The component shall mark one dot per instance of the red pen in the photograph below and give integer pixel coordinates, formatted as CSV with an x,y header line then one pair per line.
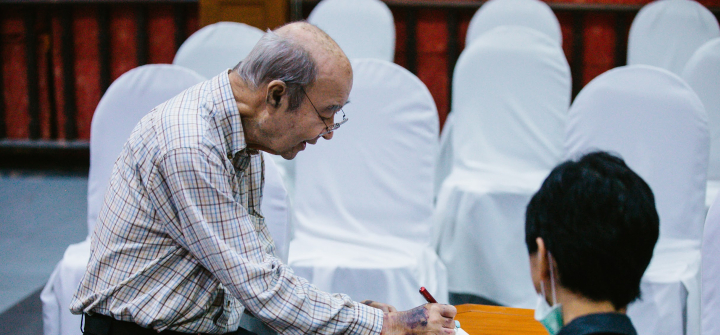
x,y
427,295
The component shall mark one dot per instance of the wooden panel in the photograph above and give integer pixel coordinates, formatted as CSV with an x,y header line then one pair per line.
x,y
491,320
263,14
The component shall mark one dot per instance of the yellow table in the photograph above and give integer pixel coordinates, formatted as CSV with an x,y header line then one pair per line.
x,y
482,320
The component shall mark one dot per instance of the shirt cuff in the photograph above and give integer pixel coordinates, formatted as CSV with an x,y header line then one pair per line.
x,y
368,320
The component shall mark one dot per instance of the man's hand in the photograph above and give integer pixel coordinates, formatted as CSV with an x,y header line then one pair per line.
x,y
433,319
379,305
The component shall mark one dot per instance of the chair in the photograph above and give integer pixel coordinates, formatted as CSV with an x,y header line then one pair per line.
x,y
666,33
710,308
122,106
217,47
654,120
701,73
533,14
511,93
364,198
275,207
362,28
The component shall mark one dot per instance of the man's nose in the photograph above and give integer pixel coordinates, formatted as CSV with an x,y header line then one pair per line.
x,y
328,135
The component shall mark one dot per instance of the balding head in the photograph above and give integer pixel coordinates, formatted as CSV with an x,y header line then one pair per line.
x,y
296,68
318,43
298,54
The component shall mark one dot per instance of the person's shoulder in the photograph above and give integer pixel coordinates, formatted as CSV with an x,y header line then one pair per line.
x,y
185,120
598,324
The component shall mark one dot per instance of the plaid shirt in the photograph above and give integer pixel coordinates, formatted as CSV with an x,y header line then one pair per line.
x,y
180,242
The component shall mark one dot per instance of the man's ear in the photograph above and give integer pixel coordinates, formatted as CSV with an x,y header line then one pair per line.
x,y
276,90
543,263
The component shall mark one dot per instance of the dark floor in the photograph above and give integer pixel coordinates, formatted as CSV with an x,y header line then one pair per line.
x,y
41,213
23,318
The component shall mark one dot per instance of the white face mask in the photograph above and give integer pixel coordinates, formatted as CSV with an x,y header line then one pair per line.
x,y
550,317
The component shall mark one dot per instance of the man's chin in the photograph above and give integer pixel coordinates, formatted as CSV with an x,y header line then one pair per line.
x,y
289,155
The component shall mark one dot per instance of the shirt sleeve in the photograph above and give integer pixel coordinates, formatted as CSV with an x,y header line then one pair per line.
x,y
195,197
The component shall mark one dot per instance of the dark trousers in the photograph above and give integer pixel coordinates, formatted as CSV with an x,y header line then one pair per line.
x,y
98,324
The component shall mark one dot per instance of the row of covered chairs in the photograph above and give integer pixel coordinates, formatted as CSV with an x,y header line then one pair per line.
x,y
513,125
485,195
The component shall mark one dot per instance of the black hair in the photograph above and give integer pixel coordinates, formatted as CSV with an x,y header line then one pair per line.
x,y
598,220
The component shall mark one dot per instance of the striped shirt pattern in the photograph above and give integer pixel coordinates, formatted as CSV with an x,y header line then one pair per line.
x,y
180,243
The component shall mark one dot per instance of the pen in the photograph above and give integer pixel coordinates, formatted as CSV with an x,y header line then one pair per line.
x,y
427,295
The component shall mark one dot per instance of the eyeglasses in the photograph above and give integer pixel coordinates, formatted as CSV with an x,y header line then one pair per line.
x,y
328,128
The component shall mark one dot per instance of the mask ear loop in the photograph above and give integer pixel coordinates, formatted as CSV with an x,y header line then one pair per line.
x,y
552,278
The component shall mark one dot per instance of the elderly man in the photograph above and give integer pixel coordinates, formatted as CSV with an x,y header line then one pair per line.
x,y
181,246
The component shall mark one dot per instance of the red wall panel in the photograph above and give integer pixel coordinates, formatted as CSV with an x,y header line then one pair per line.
x,y
599,50
14,69
431,53
161,34
45,66
123,49
432,63
87,67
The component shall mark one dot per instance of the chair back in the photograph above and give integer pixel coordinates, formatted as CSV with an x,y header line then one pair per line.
x,y
702,73
666,33
375,177
533,14
122,106
657,124
710,296
362,28
217,47
511,93
275,208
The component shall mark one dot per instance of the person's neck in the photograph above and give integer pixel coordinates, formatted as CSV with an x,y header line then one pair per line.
x,y
247,99
575,306
248,102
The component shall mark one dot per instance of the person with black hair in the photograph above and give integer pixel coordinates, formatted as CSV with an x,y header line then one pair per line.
x,y
590,231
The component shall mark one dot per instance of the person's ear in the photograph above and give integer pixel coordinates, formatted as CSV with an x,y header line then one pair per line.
x,y
543,263
276,91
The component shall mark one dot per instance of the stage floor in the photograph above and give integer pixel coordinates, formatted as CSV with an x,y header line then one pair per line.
x,y
41,214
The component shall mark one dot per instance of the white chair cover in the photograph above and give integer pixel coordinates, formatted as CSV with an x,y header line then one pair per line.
x,y
217,47
126,101
702,73
445,157
275,207
710,308
666,33
362,28
511,93
533,14
122,106
654,120
364,199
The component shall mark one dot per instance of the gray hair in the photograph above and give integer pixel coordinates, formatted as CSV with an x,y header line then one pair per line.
x,y
278,58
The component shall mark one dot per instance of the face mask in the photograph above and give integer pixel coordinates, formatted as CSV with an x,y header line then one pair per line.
x,y
550,317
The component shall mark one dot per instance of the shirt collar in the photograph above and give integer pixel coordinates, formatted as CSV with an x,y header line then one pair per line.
x,y
228,117
601,323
